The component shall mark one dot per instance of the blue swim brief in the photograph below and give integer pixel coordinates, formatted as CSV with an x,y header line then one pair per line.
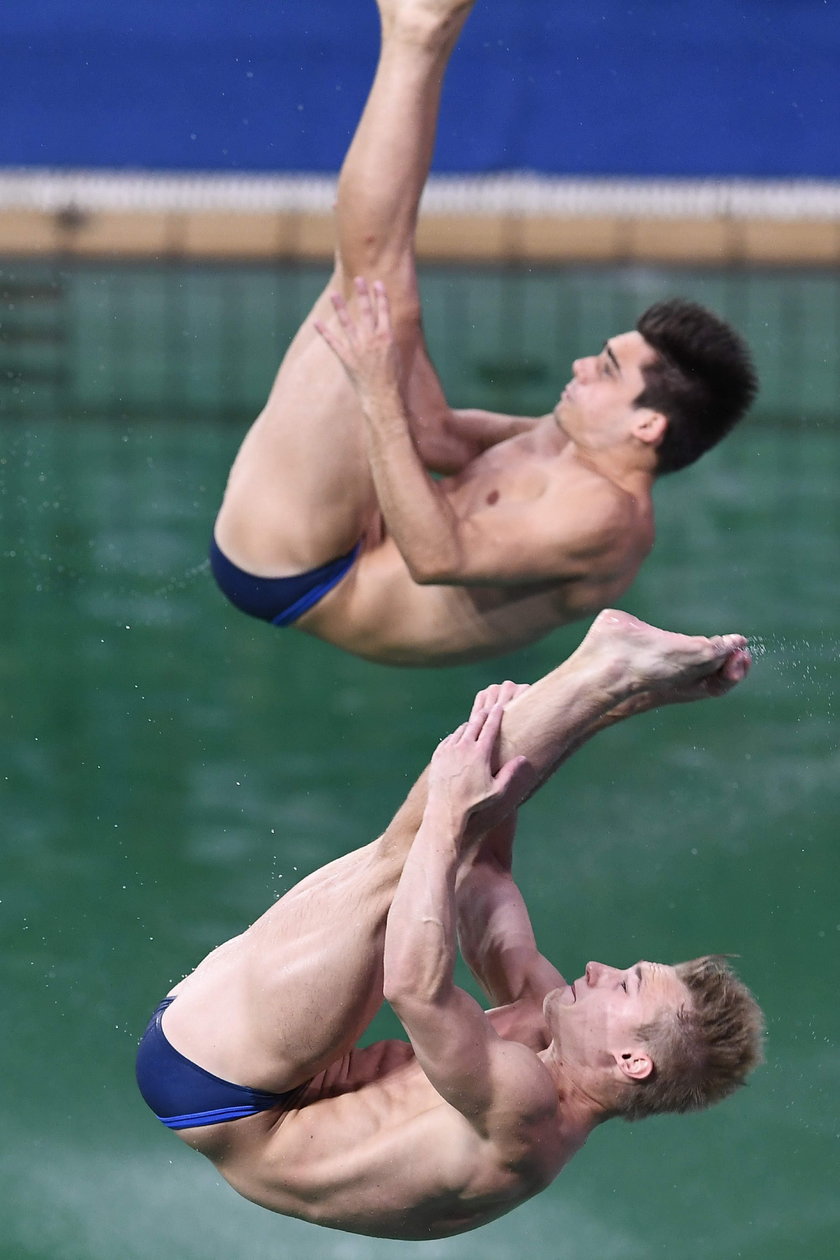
x,y
185,1096
278,600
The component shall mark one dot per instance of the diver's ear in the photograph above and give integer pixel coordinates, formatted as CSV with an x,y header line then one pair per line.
x,y
635,1063
649,426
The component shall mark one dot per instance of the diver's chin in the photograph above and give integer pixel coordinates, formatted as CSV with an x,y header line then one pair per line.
x,y
559,418
565,996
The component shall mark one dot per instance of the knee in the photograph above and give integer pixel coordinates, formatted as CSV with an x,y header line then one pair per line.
x,y
400,282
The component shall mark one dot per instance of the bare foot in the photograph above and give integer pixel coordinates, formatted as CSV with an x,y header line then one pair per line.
x,y
660,667
731,672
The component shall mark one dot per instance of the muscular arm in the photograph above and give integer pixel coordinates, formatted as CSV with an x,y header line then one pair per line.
x,y
463,1057
552,539
494,927
466,432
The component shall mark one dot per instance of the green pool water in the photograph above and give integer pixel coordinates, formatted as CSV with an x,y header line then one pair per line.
x,y
170,766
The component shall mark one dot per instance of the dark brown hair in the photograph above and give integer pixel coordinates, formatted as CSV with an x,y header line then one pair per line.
x,y
702,379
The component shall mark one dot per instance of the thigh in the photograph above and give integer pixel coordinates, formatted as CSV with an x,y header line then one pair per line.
x,y
299,492
295,991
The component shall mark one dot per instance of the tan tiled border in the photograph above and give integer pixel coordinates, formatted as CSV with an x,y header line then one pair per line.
x,y
480,238
513,218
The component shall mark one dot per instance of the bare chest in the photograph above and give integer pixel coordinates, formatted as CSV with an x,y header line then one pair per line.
x,y
386,1156
500,478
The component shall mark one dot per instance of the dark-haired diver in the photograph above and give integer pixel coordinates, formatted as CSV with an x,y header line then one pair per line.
x,y
331,519
253,1058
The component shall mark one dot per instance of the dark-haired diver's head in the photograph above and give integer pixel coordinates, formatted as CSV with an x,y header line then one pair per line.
x,y
667,391
701,378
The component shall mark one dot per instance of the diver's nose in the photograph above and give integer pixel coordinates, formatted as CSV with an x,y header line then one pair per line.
x,y
594,971
580,368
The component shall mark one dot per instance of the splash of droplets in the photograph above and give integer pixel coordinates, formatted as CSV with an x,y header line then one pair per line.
x,y
787,653
799,661
757,646
181,583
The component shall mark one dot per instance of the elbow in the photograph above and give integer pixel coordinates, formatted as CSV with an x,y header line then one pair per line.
x,y
393,996
410,1005
408,985
398,990
399,978
434,568
431,575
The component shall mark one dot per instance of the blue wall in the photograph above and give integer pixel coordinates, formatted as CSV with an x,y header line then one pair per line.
x,y
604,87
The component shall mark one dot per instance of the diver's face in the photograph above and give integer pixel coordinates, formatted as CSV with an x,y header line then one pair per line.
x,y
596,407
595,1021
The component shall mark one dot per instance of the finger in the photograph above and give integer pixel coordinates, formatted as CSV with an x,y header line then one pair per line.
x,y
383,306
486,698
515,780
474,725
490,727
510,690
480,702
366,307
342,312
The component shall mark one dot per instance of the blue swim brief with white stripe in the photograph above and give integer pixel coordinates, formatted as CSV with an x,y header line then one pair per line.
x,y
183,1095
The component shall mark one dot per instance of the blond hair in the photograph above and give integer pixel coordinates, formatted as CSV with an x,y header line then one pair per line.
x,y
703,1051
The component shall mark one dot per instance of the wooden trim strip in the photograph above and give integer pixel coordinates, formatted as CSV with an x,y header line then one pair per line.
x,y
499,238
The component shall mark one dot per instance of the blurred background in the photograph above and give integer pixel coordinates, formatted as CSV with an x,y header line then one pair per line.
x,y
169,766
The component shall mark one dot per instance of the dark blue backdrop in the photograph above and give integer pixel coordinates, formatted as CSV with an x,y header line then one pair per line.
x,y
655,87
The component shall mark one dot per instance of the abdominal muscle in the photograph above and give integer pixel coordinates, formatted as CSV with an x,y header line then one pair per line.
x,y
379,612
370,1147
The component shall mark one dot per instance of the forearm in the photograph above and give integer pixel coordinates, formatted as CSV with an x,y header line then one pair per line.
x,y
416,512
494,932
447,440
420,936
478,430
